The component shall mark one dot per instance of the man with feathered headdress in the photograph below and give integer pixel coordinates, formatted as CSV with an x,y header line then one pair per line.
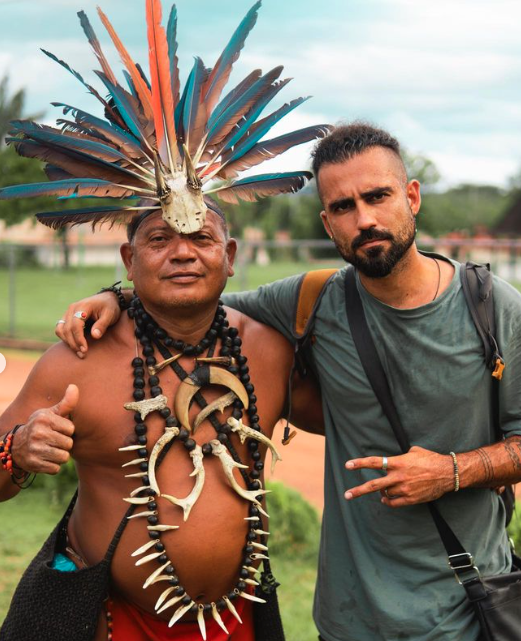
x,y
169,420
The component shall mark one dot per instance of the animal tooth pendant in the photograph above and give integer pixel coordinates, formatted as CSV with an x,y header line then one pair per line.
x,y
232,609
136,461
142,514
188,502
144,548
164,596
162,528
217,617
179,613
155,574
251,597
201,621
244,432
169,434
170,603
130,448
219,450
148,558
148,405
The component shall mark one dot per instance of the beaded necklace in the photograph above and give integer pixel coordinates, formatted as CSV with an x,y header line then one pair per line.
x,y
230,361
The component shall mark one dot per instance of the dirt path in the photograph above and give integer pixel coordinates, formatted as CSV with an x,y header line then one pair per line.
x,y
303,460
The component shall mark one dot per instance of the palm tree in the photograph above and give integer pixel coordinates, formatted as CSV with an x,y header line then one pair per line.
x,y
11,107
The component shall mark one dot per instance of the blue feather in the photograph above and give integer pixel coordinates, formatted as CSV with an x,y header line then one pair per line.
x,y
75,74
254,113
110,129
124,107
130,83
193,107
250,141
221,72
260,178
53,188
232,96
171,37
82,145
244,103
94,215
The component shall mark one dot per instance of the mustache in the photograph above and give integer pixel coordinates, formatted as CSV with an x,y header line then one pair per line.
x,y
367,235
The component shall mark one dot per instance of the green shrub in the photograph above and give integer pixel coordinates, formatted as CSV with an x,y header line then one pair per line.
x,y
514,529
294,523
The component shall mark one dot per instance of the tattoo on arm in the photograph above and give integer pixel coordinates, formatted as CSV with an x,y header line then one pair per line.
x,y
487,465
514,457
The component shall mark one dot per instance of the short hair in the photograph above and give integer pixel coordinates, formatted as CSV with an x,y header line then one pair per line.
x,y
132,227
346,141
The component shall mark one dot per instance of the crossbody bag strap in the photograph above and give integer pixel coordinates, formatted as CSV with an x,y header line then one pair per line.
x,y
459,560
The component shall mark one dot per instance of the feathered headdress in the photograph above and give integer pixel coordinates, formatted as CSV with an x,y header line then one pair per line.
x,y
159,146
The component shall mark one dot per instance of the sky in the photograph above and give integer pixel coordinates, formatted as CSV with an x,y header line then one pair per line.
x,y
443,76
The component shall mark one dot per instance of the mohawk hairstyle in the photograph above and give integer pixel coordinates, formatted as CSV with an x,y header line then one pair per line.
x,y
346,141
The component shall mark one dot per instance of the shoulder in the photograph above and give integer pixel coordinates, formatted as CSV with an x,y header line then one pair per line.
x,y
259,339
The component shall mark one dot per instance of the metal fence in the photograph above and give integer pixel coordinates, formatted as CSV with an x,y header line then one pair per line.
x,y
34,283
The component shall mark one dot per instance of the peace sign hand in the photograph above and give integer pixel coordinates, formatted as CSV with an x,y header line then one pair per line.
x,y
416,477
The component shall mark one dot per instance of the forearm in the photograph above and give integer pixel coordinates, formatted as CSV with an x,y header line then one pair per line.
x,y
491,466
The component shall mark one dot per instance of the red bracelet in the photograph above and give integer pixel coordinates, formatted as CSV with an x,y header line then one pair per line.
x,y
19,477
6,457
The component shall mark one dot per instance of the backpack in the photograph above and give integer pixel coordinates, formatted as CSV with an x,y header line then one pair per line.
x,y
476,281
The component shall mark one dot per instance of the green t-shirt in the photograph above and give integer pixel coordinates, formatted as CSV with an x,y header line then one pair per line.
x,y
383,573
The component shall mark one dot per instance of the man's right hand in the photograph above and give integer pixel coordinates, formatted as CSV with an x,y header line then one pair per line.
x,y
102,308
43,444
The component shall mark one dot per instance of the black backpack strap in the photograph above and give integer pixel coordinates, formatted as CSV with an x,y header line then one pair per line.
x,y
476,282
460,560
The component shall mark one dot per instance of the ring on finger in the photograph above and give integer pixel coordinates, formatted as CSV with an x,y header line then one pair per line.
x,y
60,322
385,464
390,496
81,315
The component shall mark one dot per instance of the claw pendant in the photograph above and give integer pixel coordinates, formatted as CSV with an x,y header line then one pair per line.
x,y
245,432
190,386
188,502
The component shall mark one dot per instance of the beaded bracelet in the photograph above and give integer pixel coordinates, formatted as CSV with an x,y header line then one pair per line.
x,y
456,471
123,305
19,477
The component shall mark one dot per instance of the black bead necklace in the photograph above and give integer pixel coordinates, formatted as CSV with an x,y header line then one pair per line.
x,y
151,336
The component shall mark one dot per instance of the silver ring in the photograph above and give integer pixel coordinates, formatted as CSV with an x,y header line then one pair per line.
x,y
60,322
390,496
81,315
385,463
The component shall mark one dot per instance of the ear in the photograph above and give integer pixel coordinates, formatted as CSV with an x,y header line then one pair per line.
x,y
414,196
127,254
325,222
231,250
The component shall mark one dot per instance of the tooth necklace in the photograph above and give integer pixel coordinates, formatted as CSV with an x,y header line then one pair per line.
x,y
228,369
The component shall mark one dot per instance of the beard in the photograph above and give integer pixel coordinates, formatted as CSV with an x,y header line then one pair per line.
x,y
378,262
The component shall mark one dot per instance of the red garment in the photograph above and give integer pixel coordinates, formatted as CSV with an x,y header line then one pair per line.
x,y
130,623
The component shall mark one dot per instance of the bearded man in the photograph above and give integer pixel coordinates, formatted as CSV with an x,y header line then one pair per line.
x,y
198,529
383,571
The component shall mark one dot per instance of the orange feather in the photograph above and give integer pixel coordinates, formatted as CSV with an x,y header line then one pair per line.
x,y
160,78
141,88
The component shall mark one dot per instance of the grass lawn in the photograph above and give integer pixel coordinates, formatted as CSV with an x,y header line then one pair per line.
x,y
28,519
42,295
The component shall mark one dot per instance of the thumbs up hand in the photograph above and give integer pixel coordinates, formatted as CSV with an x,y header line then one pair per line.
x,y
44,443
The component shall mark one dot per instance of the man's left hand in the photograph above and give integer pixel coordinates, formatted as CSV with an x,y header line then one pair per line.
x,y
416,477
